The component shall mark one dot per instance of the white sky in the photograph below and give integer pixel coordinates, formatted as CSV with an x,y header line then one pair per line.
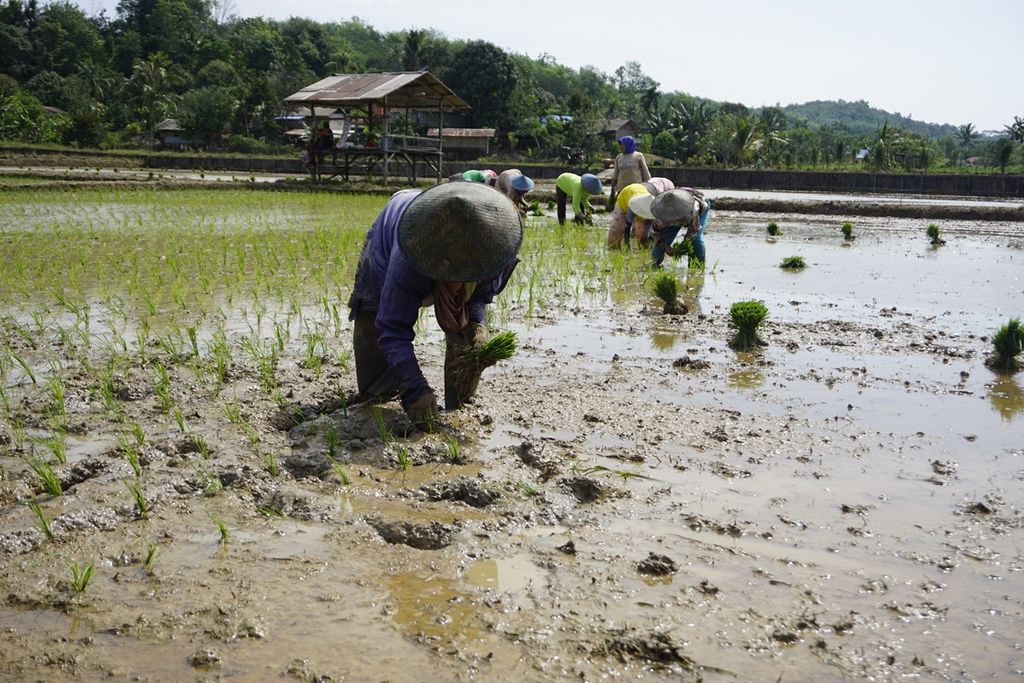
x,y
940,61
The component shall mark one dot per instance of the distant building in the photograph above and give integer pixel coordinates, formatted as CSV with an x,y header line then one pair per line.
x,y
613,129
465,143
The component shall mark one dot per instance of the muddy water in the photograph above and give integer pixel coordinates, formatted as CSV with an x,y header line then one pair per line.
x,y
844,503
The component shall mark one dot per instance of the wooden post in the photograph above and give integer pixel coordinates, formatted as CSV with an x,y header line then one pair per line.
x,y
440,138
384,142
313,144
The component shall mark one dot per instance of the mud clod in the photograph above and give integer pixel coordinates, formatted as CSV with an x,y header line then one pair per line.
x,y
688,363
651,647
433,536
584,489
657,565
204,659
461,489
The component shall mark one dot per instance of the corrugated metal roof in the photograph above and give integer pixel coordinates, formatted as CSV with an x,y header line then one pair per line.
x,y
414,89
463,132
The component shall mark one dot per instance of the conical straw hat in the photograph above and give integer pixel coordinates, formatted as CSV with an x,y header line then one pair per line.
x,y
460,232
674,207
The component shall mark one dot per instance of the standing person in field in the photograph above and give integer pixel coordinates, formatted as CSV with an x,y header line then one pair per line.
x,y
630,167
680,216
453,247
514,185
579,188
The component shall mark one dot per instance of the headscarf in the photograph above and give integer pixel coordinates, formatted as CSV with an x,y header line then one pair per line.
x,y
450,300
628,144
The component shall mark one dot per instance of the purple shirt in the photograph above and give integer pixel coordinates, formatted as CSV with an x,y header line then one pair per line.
x,y
388,284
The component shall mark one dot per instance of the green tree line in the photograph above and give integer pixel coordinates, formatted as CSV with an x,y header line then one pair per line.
x,y
114,80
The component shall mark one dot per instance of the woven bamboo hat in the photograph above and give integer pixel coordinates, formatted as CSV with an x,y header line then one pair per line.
x,y
674,207
460,232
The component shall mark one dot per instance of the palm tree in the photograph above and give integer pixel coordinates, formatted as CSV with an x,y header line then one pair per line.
x,y
153,98
770,124
413,49
1016,129
966,135
743,140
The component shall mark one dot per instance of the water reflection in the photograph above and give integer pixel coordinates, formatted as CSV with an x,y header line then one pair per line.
x,y
1006,396
693,284
663,341
747,378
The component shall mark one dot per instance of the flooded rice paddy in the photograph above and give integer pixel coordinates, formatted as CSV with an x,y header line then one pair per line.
x,y
626,498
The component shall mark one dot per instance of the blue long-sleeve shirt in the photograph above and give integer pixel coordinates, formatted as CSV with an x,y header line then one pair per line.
x,y
388,284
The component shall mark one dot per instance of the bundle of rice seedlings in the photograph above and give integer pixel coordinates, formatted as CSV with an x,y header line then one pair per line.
x,y
501,346
1007,344
464,365
933,234
665,286
847,230
793,262
745,317
773,229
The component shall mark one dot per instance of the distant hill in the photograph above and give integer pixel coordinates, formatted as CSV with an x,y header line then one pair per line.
x,y
860,118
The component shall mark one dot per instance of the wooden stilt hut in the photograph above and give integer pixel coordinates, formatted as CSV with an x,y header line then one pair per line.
x,y
381,94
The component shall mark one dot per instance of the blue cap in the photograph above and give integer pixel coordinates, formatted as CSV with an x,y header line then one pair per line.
x,y
591,184
521,183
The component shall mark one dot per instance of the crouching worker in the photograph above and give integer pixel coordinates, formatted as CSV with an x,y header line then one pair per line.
x,y
578,189
514,185
453,247
680,216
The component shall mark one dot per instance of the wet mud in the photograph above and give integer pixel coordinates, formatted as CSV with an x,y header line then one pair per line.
x,y
627,498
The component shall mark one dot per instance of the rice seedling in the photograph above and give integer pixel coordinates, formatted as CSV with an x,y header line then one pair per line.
x,y
1007,344
209,481
41,521
223,529
452,448
198,442
138,497
793,263
270,511
233,412
47,477
25,367
501,346
162,389
402,455
745,317
270,464
339,471
382,428
56,443
179,419
773,229
848,231
137,433
80,576
933,234
57,405
130,452
333,440
152,552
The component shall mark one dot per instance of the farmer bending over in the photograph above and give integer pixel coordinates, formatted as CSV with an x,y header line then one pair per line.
x,y
452,247
514,185
673,211
579,188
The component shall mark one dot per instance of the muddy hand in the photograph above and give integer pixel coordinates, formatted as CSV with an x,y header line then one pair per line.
x,y
423,412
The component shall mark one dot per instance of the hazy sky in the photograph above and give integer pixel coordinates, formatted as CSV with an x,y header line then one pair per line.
x,y
938,61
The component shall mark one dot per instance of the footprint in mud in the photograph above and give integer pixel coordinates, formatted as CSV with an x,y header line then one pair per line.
x,y
463,489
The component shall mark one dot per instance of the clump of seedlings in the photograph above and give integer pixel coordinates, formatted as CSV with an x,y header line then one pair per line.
x,y
848,231
745,317
793,263
1007,344
934,235
41,519
461,385
773,229
665,286
535,209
